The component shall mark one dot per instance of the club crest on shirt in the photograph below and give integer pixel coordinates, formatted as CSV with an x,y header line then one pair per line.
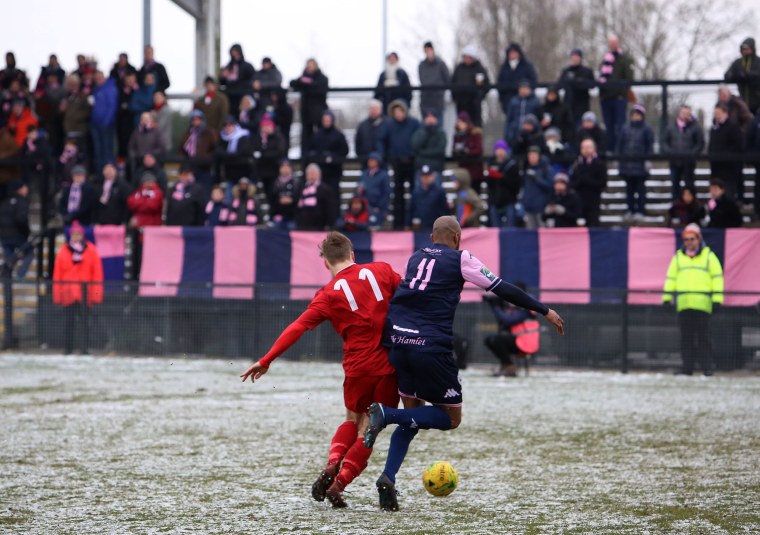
x,y
487,273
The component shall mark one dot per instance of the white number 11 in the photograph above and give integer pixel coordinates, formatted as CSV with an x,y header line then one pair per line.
x,y
364,274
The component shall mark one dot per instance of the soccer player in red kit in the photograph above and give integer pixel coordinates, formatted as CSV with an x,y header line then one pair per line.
x,y
355,301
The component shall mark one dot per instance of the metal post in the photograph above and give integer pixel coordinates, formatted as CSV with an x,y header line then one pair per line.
x,y
664,112
385,33
8,306
624,333
85,321
146,22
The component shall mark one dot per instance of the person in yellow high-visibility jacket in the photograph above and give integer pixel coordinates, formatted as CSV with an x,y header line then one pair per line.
x,y
695,281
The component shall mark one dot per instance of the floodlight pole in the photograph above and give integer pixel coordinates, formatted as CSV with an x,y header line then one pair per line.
x,y
146,22
385,32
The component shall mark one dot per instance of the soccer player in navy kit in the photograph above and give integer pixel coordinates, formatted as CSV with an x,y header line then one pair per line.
x,y
420,328
355,301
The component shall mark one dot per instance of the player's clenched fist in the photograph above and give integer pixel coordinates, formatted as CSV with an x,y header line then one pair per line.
x,y
254,371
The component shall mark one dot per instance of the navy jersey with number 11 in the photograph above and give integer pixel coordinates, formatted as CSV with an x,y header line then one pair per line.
x,y
421,313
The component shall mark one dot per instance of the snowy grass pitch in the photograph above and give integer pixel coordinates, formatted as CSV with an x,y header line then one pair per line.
x,y
123,445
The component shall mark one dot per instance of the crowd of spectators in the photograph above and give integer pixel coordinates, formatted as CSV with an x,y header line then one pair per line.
x,y
109,131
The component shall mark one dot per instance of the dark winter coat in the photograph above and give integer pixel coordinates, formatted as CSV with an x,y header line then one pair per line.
x,y
268,153
724,213
367,135
429,146
433,73
376,188
186,205
561,117
14,219
143,142
504,182
395,141
114,211
159,73
510,78
596,133
402,91
86,205
313,89
280,189
636,139
745,72
471,93
516,112
686,213
328,148
118,73
468,151
570,203
243,210
725,139
622,71
316,207
427,205
577,81
239,83
76,118
538,182
236,164
589,178
686,140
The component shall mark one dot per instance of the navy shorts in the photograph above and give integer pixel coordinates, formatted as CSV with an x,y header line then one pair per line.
x,y
431,377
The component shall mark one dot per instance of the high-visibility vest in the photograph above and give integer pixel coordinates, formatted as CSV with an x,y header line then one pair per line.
x,y
526,336
695,282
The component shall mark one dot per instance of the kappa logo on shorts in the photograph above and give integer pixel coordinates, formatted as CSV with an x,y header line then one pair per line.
x,y
450,393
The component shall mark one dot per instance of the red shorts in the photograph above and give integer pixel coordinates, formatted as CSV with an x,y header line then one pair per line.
x,y
360,392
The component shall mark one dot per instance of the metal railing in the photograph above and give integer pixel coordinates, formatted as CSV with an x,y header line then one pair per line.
x,y
605,332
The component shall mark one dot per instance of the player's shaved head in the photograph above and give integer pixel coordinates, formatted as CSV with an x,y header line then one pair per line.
x,y
446,230
335,248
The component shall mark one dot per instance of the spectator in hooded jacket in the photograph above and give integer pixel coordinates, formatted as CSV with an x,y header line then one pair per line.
x,y
267,83
214,105
686,209
76,263
111,199
745,72
515,70
78,199
722,208
53,68
103,118
393,83
14,225
312,85
428,202
235,148
635,139
237,76
316,209
616,70
375,187
468,148
564,206
538,184
186,202
555,114
683,136
284,198
504,185
395,145
577,79
269,148
468,206
356,217
11,73
150,66
589,178
523,104
121,69
529,135
217,209
433,71
590,129
369,130
146,203
328,148
471,83
726,141
429,143
243,209
199,143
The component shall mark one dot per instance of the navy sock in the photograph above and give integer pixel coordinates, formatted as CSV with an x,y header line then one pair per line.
x,y
400,440
427,417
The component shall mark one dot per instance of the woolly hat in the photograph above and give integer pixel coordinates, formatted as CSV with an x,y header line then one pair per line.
x,y
576,52
426,170
464,116
471,51
589,116
147,177
266,121
78,170
638,108
501,144
553,132
534,148
562,177
692,228
76,226
374,155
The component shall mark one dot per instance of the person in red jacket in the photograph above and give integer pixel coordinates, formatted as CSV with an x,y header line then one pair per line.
x,y
146,203
468,148
78,273
19,121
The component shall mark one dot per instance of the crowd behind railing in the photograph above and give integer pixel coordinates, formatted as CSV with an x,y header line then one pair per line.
x,y
97,143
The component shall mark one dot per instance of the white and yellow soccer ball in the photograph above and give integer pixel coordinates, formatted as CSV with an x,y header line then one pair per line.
x,y
440,478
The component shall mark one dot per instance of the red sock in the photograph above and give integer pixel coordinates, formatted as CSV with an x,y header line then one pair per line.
x,y
344,437
354,463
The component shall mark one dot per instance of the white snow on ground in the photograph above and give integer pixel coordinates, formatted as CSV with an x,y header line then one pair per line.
x,y
127,445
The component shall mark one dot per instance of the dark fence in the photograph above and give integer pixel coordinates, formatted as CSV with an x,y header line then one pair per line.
x,y
608,333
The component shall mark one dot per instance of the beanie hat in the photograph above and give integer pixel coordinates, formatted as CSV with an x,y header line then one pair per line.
x,y
464,116
197,113
589,116
562,177
76,226
501,144
692,228
426,170
524,83
266,121
78,170
638,108
374,155
553,132
428,44
147,177
534,148
471,51
576,52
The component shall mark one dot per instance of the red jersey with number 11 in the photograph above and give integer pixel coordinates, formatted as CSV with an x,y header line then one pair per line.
x,y
356,303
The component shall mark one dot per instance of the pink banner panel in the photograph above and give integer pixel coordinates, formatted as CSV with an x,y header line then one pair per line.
x,y
483,244
234,261
649,253
564,258
395,248
306,266
742,266
109,240
162,258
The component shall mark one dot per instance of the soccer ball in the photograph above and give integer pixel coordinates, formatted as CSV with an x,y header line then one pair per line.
x,y
440,478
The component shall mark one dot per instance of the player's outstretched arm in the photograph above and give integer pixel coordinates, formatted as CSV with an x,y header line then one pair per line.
x,y
289,336
516,296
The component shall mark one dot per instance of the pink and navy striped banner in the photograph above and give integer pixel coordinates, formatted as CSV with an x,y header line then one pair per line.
x,y
109,240
564,263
